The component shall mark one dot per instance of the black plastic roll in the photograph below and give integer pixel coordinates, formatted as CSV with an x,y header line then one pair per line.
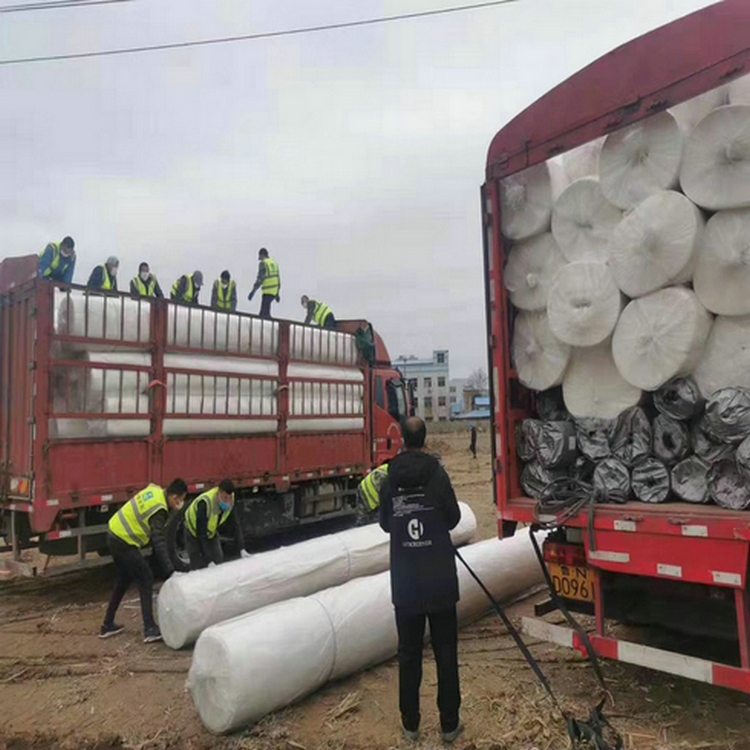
x,y
593,436
743,458
705,446
727,486
728,415
526,432
631,437
690,480
611,481
680,398
556,444
650,480
535,478
550,405
671,439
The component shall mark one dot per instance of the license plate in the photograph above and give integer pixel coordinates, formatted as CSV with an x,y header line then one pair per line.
x,y
572,583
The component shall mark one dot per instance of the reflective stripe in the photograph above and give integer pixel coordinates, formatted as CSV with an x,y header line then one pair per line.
x,y
272,282
57,261
131,522
224,296
214,515
189,295
371,485
106,279
143,290
322,311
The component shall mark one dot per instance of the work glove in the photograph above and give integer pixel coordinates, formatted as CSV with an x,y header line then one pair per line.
x,y
278,298
244,554
250,296
212,565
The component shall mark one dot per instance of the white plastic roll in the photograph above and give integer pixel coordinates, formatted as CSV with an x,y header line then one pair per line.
x,y
189,603
726,358
247,667
219,427
526,202
311,343
593,386
583,161
539,357
690,113
655,243
94,316
641,160
530,270
739,91
722,271
584,304
715,172
583,221
660,336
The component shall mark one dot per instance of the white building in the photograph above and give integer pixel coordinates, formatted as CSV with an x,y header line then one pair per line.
x,y
429,380
456,395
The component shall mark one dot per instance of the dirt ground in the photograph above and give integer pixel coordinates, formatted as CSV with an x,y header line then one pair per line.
x,y
62,687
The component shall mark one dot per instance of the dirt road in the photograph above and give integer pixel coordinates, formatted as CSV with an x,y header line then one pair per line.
x,y
61,687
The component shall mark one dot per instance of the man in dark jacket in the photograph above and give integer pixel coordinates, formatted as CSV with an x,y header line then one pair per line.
x,y
418,508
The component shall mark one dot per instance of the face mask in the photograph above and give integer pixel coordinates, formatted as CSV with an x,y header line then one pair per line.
x,y
113,271
145,275
224,507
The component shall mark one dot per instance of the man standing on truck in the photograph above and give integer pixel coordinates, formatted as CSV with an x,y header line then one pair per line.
x,y
269,282
145,283
418,508
140,521
104,278
224,293
187,288
203,518
318,313
58,261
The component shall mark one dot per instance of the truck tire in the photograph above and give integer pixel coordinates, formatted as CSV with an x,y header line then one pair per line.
x,y
176,548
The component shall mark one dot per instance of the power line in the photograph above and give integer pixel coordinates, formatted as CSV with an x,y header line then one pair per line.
x,y
252,37
54,4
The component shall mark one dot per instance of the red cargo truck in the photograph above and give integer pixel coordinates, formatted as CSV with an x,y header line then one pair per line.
x,y
677,565
100,395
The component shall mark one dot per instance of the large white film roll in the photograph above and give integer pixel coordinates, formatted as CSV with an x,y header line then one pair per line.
x,y
539,357
584,304
660,336
583,161
655,243
726,358
526,202
96,316
690,113
247,667
532,266
593,386
189,603
641,160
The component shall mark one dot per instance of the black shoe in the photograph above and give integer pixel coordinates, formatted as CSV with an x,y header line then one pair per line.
x,y
152,635
410,734
107,631
450,737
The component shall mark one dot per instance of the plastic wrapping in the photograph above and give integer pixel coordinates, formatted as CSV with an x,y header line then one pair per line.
x,y
540,359
532,266
690,113
593,387
715,171
650,480
722,272
660,336
534,478
655,245
611,481
728,486
631,436
584,304
556,444
640,160
593,437
526,202
727,416
189,603
704,446
680,399
690,480
743,458
583,221
671,442
249,666
583,161
726,358
550,405
526,438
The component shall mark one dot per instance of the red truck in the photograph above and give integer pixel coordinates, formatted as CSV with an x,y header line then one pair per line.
x,y
679,566
100,395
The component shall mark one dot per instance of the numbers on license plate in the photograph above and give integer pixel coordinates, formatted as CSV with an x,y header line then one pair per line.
x,y
573,583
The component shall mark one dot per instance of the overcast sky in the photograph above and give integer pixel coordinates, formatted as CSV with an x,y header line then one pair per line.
x,y
355,156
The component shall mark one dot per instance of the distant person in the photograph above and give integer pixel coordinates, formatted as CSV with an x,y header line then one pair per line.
x,y
418,508
203,519
473,439
58,261
141,521
224,293
145,284
368,493
269,282
104,277
318,313
187,288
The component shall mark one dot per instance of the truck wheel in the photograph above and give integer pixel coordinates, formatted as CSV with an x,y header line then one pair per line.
x,y
176,548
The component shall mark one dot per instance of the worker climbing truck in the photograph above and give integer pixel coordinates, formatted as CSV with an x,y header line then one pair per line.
x,y
102,394
615,222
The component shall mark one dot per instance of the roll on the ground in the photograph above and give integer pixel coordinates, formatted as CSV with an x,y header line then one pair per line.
x,y
539,357
532,266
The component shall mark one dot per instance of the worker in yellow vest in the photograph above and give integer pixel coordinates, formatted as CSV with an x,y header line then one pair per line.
x,y
224,293
141,521
269,282
58,261
145,284
318,313
368,491
187,288
203,519
104,277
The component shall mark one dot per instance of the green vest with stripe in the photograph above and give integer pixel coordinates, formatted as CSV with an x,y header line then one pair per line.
x,y
224,296
322,311
371,485
189,295
57,260
145,290
272,282
132,522
106,279
214,515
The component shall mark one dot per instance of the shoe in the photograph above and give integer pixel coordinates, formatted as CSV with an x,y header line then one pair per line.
x,y
450,737
410,734
107,631
151,635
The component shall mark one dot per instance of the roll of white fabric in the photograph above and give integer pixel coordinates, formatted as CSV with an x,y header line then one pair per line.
x,y
690,113
660,336
726,358
540,359
583,161
583,221
531,267
655,244
715,172
641,160
189,603
739,91
113,318
526,201
584,304
593,386
249,666
722,270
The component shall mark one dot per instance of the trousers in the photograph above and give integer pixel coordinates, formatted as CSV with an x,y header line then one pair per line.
x,y
197,560
130,565
444,637
265,305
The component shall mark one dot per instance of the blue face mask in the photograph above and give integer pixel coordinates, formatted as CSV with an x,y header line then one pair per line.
x,y
224,507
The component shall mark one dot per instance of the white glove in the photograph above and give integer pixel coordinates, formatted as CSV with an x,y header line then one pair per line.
x,y
244,554
212,565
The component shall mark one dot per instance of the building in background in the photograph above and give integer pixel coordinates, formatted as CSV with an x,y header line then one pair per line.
x,y
480,410
428,380
456,396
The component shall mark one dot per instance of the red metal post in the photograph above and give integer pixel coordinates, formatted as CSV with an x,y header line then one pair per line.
x,y
158,389
282,405
743,625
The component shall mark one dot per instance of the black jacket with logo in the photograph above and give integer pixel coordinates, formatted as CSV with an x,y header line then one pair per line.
x,y
418,508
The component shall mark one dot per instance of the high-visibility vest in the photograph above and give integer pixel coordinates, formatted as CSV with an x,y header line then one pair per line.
x,y
272,282
57,260
132,523
322,311
371,485
189,292
143,289
106,279
224,296
214,515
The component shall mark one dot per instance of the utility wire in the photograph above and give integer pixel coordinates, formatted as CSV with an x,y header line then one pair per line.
x,y
251,37
52,5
